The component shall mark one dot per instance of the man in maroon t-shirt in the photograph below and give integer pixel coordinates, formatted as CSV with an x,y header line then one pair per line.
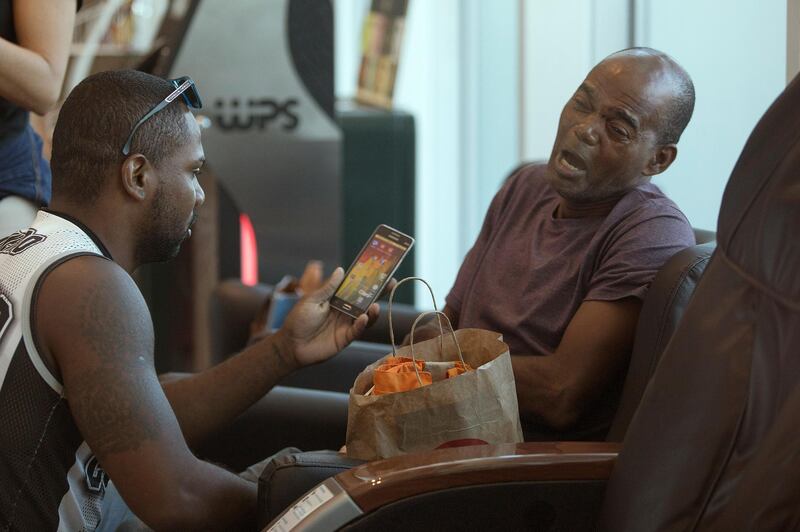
x,y
568,249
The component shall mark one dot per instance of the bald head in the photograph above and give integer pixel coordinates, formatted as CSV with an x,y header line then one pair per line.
x,y
671,77
621,126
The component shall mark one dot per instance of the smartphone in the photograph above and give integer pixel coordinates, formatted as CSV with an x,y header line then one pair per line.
x,y
372,269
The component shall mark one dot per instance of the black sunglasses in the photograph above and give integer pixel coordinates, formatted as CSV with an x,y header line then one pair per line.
x,y
185,88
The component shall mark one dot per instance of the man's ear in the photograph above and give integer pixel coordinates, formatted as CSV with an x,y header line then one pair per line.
x,y
661,159
137,176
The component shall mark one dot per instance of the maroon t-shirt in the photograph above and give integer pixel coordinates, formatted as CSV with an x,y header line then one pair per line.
x,y
528,271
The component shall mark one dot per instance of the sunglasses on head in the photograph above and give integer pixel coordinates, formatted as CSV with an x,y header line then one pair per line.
x,y
185,88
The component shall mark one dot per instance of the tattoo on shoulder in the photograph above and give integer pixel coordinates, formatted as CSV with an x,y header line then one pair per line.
x,y
113,412
110,329
112,399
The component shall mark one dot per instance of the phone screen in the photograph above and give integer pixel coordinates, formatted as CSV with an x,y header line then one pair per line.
x,y
371,270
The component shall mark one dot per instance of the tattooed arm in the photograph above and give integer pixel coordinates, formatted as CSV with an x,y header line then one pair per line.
x,y
93,325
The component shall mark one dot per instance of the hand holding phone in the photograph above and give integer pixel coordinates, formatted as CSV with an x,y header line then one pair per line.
x,y
312,332
373,268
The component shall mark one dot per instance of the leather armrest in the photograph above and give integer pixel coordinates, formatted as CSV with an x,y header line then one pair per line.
x,y
377,483
555,486
289,476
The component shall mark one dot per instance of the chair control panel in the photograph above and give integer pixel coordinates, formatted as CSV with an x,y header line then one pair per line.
x,y
326,507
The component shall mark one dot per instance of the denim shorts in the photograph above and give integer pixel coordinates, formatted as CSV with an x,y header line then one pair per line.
x,y
23,170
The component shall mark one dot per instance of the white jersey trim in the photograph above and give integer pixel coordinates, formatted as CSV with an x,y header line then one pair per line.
x,y
25,318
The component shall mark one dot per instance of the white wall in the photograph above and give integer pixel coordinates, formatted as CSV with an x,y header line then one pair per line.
x,y
562,40
458,76
491,87
348,19
736,55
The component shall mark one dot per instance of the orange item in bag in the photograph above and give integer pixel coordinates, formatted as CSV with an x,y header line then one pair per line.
x,y
458,369
397,375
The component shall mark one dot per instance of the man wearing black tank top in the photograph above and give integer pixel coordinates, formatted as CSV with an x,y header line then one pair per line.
x,y
83,413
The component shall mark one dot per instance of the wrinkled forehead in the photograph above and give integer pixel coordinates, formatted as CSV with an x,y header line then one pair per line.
x,y
644,81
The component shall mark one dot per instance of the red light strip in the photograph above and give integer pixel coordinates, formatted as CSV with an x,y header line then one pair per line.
x,y
249,251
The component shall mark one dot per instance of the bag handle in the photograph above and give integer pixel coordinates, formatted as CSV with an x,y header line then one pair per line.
x,y
391,298
441,344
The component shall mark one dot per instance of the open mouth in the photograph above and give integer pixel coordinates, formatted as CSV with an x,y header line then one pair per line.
x,y
571,161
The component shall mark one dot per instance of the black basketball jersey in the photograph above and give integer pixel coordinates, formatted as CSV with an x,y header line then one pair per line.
x,y
49,479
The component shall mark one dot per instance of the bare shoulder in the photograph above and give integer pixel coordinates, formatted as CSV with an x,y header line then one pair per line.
x,y
92,321
91,301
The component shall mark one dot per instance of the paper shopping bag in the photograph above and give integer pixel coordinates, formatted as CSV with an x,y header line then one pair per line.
x,y
478,406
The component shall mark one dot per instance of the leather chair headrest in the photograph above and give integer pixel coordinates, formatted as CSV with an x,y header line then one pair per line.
x,y
760,211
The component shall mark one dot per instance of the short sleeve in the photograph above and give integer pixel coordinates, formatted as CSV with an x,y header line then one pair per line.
x,y
633,258
475,255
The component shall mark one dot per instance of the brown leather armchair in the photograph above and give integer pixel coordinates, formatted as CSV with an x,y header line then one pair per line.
x,y
309,409
306,411
717,419
288,416
291,475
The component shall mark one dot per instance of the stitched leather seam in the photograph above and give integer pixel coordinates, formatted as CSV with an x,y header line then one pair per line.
x,y
768,290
